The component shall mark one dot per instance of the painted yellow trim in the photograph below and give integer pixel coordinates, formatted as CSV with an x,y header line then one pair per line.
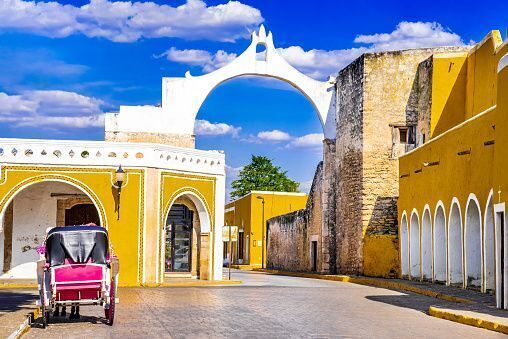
x,y
470,318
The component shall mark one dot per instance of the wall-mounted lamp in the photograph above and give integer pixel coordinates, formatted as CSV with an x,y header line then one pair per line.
x,y
120,178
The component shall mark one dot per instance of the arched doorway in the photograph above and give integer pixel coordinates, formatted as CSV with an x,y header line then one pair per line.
x,y
28,215
440,243
473,243
455,244
404,246
186,243
426,244
179,228
414,245
488,246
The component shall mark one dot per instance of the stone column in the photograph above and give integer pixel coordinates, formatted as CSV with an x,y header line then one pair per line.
x,y
204,257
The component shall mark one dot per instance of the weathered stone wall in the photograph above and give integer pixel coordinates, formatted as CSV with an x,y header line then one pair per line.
x,y
329,204
178,140
424,78
290,235
349,161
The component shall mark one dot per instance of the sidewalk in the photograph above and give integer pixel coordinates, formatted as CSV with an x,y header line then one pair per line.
x,y
14,306
464,306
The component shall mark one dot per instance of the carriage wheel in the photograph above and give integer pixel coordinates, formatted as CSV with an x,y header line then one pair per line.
x,y
110,312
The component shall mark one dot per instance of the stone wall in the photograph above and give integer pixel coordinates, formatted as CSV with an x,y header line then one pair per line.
x,y
349,162
424,76
290,235
187,141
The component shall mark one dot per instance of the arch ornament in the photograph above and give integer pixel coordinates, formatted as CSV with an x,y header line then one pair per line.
x,y
182,97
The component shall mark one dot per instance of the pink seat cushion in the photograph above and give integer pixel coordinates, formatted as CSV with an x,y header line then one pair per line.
x,y
77,273
74,287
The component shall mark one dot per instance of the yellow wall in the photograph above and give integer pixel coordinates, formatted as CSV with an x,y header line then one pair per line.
x,y
380,256
482,136
464,84
136,243
249,215
448,91
125,234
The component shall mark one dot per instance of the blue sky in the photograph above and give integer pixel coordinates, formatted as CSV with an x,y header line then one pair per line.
x,y
63,64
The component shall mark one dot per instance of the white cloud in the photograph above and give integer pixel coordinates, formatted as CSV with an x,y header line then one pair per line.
x,y
197,57
126,21
319,64
274,135
308,140
411,35
205,127
51,109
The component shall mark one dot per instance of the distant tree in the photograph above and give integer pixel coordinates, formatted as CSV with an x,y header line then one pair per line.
x,y
262,175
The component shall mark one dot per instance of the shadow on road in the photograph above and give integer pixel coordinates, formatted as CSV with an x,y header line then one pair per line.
x,y
411,301
11,300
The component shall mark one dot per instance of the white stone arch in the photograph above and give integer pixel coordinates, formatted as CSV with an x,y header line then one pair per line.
x,y
183,97
414,245
439,243
426,241
404,245
489,264
455,246
473,256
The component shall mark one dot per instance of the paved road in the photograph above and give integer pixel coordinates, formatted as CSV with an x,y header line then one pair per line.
x,y
15,304
266,306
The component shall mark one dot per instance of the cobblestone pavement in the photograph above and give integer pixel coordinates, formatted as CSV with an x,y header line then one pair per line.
x,y
266,306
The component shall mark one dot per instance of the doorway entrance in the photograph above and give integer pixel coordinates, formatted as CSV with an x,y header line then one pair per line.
x,y
501,256
82,214
314,255
179,239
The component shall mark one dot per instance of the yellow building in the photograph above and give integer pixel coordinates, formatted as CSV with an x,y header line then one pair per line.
x,y
250,214
454,185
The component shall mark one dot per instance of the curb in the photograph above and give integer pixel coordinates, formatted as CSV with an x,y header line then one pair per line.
x,y
468,320
17,286
199,284
373,282
25,325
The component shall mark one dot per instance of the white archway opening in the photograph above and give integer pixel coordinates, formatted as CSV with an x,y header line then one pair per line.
x,y
414,245
489,246
30,212
473,243
404,246
440,244
455,244
426,244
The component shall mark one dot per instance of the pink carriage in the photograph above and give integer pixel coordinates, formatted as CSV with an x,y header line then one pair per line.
x,y
78,271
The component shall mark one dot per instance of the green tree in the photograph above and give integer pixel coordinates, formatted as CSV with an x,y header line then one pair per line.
x,y
262,175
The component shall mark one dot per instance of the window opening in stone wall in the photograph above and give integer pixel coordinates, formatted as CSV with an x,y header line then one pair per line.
x,y
403,139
